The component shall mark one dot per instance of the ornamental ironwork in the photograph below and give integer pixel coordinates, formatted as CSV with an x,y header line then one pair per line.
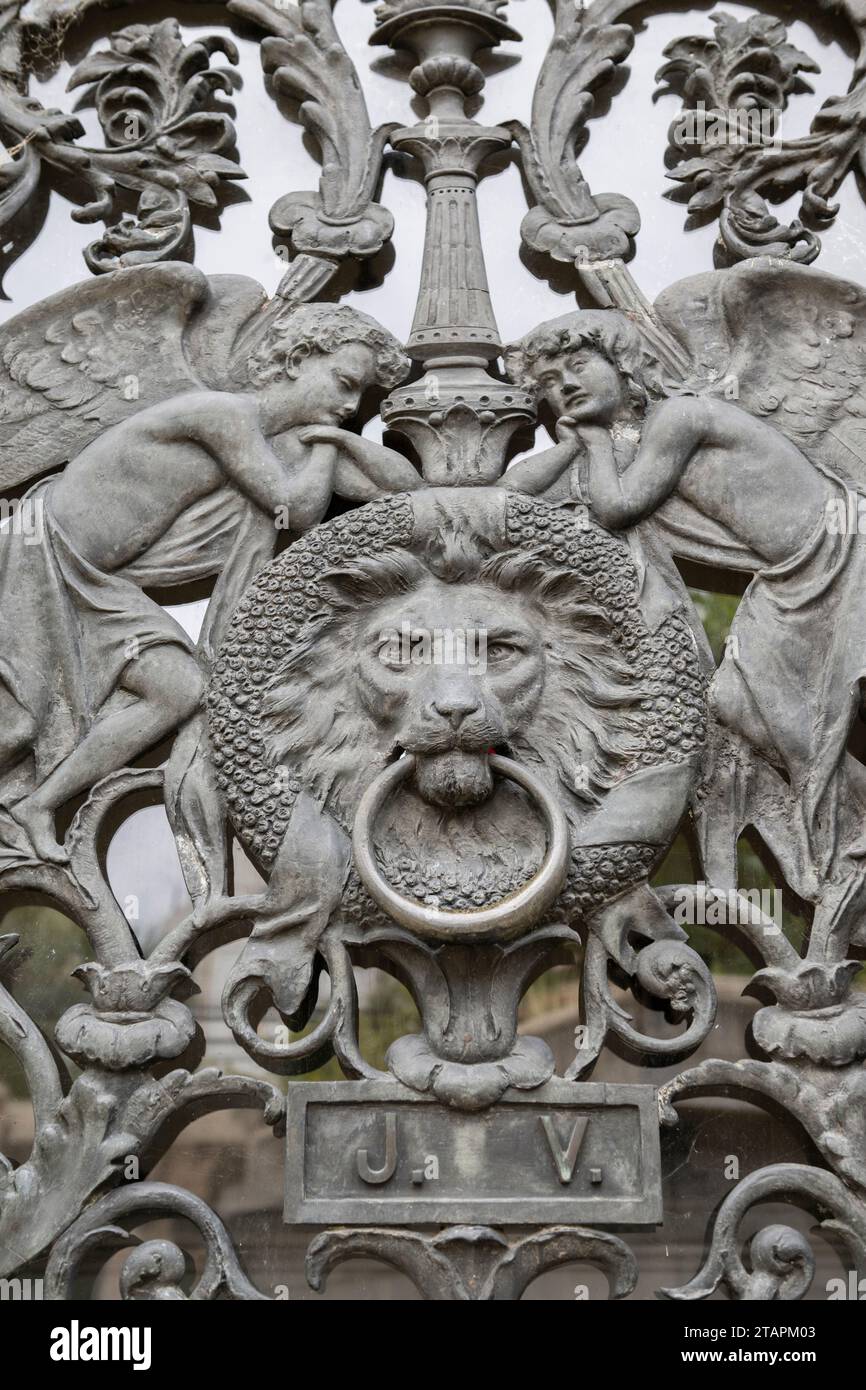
x,y
452,694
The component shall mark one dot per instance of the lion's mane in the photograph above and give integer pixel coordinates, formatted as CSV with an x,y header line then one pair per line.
x,y
588,718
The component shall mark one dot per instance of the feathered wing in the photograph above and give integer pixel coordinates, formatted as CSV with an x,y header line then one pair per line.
x,y
788,343
86,358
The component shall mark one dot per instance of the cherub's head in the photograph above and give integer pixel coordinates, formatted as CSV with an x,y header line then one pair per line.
x,y
590,365
317,361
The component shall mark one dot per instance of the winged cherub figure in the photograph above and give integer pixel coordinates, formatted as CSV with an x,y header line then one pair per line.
x,y
725,486
192,484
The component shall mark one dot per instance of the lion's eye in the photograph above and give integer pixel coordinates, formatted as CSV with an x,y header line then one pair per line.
x,y
500,651
390,654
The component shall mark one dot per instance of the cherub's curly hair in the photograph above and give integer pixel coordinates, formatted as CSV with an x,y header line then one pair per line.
x,y
324,328
603,330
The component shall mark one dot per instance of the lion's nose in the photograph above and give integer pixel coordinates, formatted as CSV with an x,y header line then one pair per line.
x,y
455,708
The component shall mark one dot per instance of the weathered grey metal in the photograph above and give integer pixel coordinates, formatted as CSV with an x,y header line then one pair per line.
x,y
475,1263
569,224
529,573
781,1259
522,907
155,1268
306,60
112,1112
565,1154
710,72
463,824
167,142
165,139
459,417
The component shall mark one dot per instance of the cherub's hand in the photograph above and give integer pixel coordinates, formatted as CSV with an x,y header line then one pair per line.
x,y
570,434
366,459
329,434
592,435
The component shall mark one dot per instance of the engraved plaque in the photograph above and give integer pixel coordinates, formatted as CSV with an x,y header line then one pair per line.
x,y
568,1153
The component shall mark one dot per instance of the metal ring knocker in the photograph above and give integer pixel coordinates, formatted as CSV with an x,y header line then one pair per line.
x,y
516,912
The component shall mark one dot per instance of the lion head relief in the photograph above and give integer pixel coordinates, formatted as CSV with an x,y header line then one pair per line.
x,y
449,657
451,626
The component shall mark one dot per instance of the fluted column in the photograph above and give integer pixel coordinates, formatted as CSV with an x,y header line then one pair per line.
x,y
459,417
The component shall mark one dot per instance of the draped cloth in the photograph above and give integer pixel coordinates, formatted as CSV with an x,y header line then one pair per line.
x,y
661,591
793,664
70,630
796,664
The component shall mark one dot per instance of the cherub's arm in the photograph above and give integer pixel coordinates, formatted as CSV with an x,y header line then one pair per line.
x,y
537,473
309,479
351,483
365,469
289,474
672,433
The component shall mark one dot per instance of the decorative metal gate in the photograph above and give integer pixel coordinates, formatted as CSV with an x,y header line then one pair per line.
x,y
425,702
